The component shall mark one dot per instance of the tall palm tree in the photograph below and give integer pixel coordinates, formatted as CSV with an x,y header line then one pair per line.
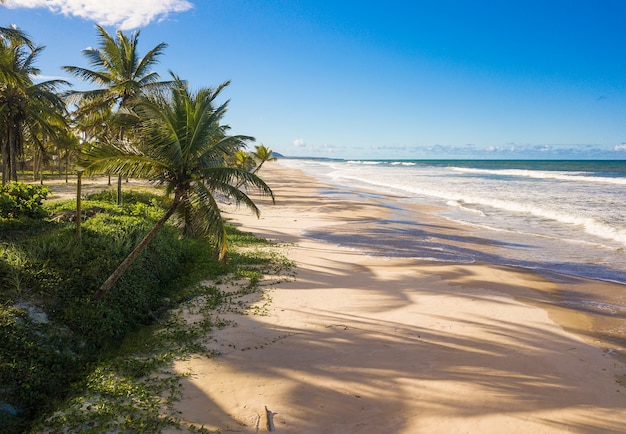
x,y
120,74
184,148
262,154
28,110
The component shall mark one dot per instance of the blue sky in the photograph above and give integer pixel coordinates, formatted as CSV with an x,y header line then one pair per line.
x,y
393,79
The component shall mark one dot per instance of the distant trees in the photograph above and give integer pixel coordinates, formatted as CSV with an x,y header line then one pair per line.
x,y
30,113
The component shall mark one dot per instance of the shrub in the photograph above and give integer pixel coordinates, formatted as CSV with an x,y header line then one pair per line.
x,y
46,265
47,272
18,199
37,360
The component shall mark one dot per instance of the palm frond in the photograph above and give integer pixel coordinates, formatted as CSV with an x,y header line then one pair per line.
x,y
230,180
97,77
207,218
124,159
150,59
16,36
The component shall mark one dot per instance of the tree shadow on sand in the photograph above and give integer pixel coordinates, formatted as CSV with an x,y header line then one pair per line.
x,y
384,357
352,368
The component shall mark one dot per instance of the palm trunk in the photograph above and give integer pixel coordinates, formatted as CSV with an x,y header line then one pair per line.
x,y
79,211
5,160
67,167
14,144
119,176
35,165
11,161
258,168
115,276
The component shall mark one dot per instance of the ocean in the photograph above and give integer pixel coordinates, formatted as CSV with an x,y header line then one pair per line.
x,y
567,217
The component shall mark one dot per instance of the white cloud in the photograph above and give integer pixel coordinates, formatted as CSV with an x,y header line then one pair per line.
x,y
621,147
299,143
123,14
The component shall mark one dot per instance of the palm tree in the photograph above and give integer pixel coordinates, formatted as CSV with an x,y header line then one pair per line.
x,y
28,110
184,149
120,74
262,154
243,160
96,126
247,161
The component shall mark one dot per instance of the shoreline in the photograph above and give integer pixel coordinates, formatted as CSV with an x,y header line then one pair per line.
x,y
581,304
370,344
546,223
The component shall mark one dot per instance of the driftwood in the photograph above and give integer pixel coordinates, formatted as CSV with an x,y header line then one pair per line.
x,y
70,216
270,419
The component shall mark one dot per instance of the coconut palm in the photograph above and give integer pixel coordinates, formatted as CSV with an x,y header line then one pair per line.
x,y
262,154
184,148
120,74
243,160
28,110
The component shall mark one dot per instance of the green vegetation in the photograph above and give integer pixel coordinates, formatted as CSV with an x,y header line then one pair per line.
x,y
61,327
103,364
17,200
30,113
185,149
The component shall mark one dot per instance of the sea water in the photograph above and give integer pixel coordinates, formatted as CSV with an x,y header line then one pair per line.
x,y
567,217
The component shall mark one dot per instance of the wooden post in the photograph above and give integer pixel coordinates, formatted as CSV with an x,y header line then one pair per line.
x,y
79,217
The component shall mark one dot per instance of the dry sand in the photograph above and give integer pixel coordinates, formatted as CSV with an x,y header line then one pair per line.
x,y
360,344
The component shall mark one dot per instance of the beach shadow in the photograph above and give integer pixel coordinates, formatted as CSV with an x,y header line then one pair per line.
x,y
353,368
385,358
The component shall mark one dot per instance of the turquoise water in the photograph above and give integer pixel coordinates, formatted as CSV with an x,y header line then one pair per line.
x,y
597,167
563,216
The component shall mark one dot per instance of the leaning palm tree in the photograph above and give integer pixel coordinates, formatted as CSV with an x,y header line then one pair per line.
x,y
120,74
262,154
185,149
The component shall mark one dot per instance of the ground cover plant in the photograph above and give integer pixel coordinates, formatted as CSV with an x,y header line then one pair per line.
x,y
61,318
58,342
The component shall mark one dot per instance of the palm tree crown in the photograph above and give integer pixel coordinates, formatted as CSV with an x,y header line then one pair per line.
x,y
118,71
121,76
262,154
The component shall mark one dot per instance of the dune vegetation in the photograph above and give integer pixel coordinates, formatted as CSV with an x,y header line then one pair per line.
x,y
82,329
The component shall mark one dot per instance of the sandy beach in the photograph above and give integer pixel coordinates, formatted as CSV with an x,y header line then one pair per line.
x,y
358,344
